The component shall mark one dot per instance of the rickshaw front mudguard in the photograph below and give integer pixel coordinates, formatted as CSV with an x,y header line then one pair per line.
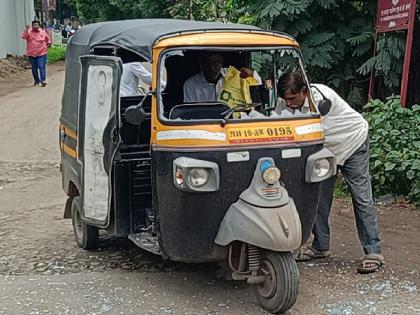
x,y
276,229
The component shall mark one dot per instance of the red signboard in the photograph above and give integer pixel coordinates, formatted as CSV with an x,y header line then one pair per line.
x,y
394,14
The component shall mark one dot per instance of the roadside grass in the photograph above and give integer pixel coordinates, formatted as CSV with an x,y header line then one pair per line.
x,y
56,53
341,189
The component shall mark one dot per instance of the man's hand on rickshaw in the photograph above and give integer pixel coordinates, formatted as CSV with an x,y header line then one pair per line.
x,y
246,73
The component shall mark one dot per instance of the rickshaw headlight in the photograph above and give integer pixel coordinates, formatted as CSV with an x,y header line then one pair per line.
x,y
198,177
321,168
195,175
271,175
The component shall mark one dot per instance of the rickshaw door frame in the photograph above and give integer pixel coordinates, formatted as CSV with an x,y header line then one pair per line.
x,y
98,136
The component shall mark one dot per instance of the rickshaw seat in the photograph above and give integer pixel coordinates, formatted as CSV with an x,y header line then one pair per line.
x,y
198,111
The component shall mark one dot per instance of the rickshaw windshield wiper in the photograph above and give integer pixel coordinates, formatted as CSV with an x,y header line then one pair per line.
x,y
230,111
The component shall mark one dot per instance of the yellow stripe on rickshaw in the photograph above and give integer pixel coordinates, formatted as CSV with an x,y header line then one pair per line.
x,y
70,151
68,131
252,133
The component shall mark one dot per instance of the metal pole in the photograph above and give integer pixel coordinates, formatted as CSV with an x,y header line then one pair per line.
x,y
407,59
275,80
24,12
59,12
47,13
190,9
372,73
42,12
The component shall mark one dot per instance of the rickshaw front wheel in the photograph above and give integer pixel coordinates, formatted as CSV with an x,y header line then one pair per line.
x,y
279,291
86,235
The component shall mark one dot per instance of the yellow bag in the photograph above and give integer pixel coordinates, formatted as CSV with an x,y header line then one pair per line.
x,y
235,90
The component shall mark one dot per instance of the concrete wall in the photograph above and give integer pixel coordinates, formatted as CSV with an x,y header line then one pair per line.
x,y
14,15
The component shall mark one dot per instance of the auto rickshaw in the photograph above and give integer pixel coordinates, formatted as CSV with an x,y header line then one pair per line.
x,y
192,182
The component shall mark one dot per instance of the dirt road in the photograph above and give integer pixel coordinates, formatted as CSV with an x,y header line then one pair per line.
x,y
43,272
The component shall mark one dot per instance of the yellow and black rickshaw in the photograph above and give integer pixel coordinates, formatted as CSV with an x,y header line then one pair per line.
x,y
192,181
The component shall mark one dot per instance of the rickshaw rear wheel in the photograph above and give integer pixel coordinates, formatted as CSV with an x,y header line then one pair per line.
x,y
280,290
86,235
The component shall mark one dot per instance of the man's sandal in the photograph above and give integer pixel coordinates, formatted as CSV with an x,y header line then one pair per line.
x,y
310,253
371,263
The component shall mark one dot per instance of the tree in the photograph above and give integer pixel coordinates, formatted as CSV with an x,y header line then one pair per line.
x,y
387,64
91,10
210,10
336,38
141,8
100,10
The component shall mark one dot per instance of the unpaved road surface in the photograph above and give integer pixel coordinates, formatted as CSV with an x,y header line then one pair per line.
x,y
43,272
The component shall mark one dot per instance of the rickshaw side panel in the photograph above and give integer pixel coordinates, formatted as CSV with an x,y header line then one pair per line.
x,y
70,168
188,222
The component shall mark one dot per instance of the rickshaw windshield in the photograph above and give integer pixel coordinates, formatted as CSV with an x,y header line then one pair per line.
x,y
227,84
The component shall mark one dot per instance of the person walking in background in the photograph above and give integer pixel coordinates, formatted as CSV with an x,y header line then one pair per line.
x,y
37,43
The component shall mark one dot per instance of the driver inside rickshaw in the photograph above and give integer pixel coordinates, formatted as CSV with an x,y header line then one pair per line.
x,y
206,85
237,84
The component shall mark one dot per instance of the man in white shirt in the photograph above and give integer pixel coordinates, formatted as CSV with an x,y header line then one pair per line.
x,y
133,73
206,85
346,135
283,110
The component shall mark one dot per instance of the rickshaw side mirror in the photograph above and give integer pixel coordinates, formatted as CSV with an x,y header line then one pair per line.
x,y
324,106
135,115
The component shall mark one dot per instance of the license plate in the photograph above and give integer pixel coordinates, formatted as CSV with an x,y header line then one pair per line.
x,y
260,134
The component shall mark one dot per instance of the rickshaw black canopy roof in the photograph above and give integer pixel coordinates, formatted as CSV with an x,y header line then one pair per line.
x,y
139,35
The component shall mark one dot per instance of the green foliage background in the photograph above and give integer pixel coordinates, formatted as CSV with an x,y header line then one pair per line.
x,y
56,53
395,148
336,38
90,11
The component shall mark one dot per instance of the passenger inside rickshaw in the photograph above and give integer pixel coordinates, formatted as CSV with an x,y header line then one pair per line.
x,y
185,99
134,93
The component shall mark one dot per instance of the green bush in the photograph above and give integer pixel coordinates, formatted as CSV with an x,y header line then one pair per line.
x,y
56,53
395,148
341,188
